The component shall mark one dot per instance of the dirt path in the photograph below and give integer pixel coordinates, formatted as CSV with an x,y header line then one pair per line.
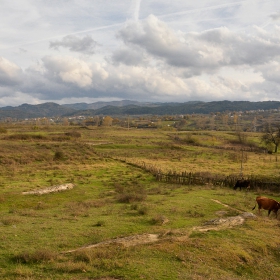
x,y
214,224
227,206
228,222
125,241
58,188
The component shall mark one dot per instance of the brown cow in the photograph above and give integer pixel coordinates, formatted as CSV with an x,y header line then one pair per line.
x,y
242,184
267,204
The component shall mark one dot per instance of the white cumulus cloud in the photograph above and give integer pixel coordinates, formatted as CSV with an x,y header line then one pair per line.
x,y
10,73
69,70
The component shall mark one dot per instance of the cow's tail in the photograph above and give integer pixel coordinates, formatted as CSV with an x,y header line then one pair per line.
x,y
254,207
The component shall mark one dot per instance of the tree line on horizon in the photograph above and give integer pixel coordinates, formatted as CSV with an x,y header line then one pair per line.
x,y
51,109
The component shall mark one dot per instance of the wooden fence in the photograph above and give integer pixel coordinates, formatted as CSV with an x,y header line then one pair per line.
x,y
190,178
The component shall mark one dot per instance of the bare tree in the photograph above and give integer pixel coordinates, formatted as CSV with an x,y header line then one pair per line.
x,y
272,135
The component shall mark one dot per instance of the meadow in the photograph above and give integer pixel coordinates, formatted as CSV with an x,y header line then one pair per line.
x,y
100,228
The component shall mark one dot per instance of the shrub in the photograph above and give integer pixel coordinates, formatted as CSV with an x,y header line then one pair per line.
x,y
131,197
72,267
59,155
194,214
61,138
134,193
100,223
3,130
38,256
134,206
143,210
158,220
104,257
74,134
7,221
25,136
191,140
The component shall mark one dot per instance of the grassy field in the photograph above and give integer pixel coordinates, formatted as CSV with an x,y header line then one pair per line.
x,y
113,200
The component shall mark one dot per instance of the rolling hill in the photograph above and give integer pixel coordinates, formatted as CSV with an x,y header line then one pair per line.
x,y
126,107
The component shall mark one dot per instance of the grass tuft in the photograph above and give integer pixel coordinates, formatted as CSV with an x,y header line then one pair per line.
x,y
100,223
8,221
158,220
41,255
72,267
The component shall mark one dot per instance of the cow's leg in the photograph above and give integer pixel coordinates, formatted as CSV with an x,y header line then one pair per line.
x,y
269,212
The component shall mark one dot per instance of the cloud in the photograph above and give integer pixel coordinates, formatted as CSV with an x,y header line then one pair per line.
x,y
203,52
137,10
271,71
85,45
58,77
240,49
10,73
69,70
64,77
275,16
129,56
143,83
151,61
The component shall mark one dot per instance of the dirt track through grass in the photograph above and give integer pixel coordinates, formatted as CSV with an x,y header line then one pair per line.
x,y
215,200
140,239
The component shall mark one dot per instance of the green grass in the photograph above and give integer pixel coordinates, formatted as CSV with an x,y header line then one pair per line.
x,y
62,223
113,199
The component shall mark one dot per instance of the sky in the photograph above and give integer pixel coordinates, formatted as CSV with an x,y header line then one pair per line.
x,y
72,51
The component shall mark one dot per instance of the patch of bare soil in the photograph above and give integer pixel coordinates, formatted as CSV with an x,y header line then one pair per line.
x,y
214,224
223,223
58,188
124,241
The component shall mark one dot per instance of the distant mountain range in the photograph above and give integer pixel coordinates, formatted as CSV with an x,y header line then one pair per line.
x,y
100,104
127,107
